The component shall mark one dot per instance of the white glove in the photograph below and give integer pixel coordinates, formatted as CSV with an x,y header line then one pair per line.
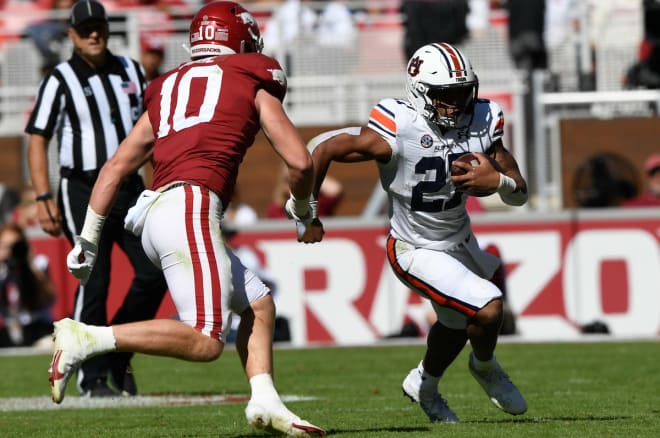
x,y
312,213
81,258
297,209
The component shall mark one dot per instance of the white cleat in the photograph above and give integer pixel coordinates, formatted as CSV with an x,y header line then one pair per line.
x,y
501,391
433,405
280,421
67,357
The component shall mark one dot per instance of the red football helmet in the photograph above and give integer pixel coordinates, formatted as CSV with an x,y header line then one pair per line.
x,y
221,28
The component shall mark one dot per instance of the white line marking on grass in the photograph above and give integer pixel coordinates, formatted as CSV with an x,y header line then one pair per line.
x,y
45,403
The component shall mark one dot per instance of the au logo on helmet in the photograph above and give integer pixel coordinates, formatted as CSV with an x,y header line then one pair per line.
x,y
414,65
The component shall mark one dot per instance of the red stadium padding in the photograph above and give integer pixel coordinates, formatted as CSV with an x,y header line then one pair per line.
x,y
564,271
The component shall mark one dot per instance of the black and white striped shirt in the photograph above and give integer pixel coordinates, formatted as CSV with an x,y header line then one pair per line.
x,y
90,110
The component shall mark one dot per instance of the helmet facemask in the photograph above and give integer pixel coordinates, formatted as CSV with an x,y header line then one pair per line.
x,y
446,104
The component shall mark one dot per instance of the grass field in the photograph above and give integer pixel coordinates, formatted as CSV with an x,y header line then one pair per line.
x,y
573,390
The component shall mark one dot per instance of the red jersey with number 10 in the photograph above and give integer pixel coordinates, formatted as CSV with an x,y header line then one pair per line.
x,y
204,118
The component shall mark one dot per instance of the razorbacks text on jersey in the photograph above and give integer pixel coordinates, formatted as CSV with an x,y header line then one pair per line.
x,y
209,103
425,208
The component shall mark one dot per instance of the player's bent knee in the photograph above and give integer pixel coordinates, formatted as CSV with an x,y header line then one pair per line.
x,y
207,349
490,315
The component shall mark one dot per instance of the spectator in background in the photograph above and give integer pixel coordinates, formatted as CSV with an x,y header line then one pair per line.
x,y
26,213
559,19
429,21
651,197
9,199
604,180
646,72
26,292
292,19
336,27
527,48
49,35
331,194
478,17
526,30
17,15
152,55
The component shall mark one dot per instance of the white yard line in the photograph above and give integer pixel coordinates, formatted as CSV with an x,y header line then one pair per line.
x,y
45,403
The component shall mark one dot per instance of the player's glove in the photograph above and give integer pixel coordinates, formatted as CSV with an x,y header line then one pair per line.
x,y
303,212
81,258
297,209
313,214
312,231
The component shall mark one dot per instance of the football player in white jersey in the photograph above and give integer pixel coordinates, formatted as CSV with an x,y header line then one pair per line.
x,y
431,247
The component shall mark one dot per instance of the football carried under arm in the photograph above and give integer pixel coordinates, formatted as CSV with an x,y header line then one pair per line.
x,y
475,174
482,175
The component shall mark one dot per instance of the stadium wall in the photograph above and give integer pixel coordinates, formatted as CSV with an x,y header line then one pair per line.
x,y
564,270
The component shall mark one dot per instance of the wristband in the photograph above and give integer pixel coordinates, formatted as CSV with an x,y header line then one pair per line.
x,y
91,230
45,196
507,191
507,185
313,207
300,206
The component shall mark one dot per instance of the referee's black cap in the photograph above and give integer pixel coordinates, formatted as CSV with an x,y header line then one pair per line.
x,y
85,10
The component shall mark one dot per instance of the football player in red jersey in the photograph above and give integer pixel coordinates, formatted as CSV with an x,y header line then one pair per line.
x,y
201,118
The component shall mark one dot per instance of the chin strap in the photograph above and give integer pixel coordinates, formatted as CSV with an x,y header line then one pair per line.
x,y
186,48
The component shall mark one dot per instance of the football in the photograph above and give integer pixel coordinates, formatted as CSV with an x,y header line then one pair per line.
x,y
469,158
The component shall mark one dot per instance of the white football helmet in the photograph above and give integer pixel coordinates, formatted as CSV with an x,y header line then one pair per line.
x,y
441,84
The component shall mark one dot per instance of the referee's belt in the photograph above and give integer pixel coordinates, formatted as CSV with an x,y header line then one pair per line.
x,y
86,175
90,176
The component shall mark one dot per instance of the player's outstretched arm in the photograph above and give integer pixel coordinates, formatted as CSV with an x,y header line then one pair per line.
x,y
344,145
347,146
132,153
288,144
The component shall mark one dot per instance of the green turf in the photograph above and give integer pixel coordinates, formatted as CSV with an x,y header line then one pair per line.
x,y
573,390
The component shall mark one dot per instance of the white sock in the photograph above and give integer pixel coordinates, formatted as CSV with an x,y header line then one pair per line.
x,y
102,339
262,387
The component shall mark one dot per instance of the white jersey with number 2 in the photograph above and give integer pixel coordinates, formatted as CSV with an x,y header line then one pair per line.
x,y
425,209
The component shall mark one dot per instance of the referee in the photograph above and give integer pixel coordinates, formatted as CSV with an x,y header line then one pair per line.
x,y
91,102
